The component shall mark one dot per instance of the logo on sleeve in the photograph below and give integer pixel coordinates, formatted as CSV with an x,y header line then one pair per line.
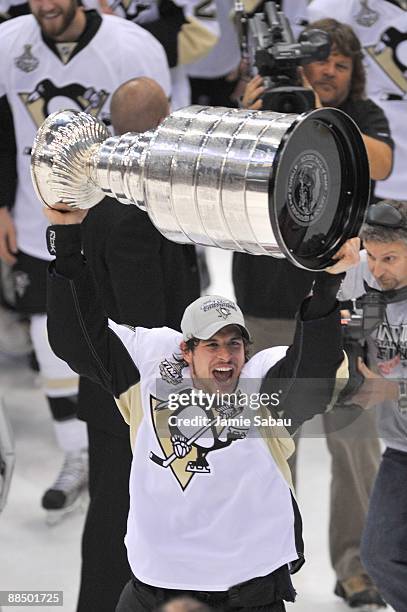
x,y
171,371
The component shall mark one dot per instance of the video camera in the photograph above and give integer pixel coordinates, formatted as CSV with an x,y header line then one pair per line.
x,y
355,334
277,57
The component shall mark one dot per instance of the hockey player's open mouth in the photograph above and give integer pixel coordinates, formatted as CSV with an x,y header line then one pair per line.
x,y
223,374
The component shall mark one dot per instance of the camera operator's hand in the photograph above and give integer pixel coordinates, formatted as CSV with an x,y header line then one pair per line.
x,y
254,89
62,214
346,258
375,389
307,84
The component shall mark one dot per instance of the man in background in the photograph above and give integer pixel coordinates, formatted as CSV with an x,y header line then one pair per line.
x,y
383,269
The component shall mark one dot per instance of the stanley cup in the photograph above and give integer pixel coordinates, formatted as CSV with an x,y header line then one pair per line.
x,y
264,183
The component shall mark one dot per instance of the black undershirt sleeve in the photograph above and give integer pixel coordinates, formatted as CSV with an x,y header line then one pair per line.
x,y
305,377
77,325
323,299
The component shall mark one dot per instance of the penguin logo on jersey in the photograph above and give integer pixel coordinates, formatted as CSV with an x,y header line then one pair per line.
x,y
391,55
188,434
26,62
39,101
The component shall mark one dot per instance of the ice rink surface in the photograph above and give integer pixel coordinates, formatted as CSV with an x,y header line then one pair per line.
x,y
34,556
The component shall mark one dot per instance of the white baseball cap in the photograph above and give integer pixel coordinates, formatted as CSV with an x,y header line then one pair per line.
x,y
210,313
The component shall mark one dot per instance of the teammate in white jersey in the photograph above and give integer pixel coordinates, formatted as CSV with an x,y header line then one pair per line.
x,y
58,57
211,511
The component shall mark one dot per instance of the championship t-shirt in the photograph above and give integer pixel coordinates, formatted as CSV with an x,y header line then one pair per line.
x,y
388,351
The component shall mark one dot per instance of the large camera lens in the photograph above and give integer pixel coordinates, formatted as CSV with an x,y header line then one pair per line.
x,y
289,100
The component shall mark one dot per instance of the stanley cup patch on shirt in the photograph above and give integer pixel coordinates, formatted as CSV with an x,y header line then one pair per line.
x,y
26,62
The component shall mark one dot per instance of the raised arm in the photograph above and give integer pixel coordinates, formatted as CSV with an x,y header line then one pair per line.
x,y
77,326
307,374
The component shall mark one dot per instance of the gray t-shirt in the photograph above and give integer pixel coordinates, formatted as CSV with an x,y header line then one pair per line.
x,y
388,350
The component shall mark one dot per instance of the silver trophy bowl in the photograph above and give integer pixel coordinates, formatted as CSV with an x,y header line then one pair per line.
x,y
264,183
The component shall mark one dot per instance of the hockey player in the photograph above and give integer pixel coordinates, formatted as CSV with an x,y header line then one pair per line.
x,y
227,533
58,57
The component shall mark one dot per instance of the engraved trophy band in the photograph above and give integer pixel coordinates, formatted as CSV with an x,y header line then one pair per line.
x,y
264,183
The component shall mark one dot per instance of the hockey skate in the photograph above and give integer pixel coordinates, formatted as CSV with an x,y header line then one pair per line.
x,y
69,491
360,593
200,466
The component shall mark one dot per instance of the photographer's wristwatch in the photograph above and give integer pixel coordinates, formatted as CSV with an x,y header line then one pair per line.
x,y
403,396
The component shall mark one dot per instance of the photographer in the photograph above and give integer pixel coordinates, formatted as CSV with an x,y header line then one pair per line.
x,y
383,268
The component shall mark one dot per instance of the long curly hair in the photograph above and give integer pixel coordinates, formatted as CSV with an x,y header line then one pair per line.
x,y
345,42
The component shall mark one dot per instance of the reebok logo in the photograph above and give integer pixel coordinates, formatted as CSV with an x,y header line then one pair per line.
x,y
51,242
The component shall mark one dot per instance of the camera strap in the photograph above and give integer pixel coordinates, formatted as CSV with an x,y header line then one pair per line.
x,y
391,296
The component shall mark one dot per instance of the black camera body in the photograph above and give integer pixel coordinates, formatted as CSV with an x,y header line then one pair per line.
x,y
277,57
355,334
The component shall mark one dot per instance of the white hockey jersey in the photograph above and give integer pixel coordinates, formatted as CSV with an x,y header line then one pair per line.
x,y
39,80
381,26
191,527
